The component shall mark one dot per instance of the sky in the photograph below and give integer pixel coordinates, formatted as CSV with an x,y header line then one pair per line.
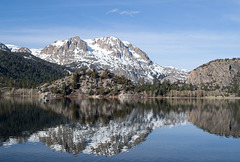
x,y
179,33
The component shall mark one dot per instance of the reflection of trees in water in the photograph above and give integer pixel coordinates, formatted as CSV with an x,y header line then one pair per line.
x,y
220,117
92,111
21,119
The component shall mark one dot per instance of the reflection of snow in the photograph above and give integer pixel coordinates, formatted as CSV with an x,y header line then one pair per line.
x,y
11,141
117,136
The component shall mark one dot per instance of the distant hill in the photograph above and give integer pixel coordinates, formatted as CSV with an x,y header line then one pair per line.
x,y
218,73
25,70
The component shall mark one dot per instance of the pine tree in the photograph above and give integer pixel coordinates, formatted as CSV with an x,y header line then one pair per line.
x,y
75,80
64,89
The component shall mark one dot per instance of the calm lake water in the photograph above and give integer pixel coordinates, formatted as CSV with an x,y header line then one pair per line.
x,y
103,130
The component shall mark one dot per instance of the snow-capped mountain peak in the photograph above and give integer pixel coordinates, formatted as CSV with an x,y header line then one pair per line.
x,y
112,46
14,48
121,57
59,43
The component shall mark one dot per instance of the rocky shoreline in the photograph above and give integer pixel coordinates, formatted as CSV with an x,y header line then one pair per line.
x,y
13,92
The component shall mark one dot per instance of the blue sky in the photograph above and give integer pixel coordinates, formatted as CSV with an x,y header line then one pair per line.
x,y
179,33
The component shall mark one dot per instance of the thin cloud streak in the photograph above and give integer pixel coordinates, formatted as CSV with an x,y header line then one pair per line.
x,y
130,13
113,11
124,12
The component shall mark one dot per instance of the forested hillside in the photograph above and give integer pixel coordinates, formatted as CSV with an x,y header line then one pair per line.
x,y
23,70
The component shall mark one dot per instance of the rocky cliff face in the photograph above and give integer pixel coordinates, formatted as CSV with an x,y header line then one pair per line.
x,y
65,51
111,53
218,72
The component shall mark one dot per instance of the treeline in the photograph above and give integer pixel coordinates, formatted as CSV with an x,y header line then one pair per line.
x,y
157,88
22,70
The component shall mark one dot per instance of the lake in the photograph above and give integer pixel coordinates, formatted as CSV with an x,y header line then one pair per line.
x,y
113,130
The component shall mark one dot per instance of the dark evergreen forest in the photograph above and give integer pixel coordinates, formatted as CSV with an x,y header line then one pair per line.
x,y
23,70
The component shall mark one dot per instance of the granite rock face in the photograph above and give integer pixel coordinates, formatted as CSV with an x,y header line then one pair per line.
x,y
218,72
65,51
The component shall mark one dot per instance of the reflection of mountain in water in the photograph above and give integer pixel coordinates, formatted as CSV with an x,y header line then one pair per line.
x,y
108,127
107,139
102,127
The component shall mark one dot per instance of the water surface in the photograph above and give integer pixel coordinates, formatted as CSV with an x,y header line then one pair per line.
x,y
112,130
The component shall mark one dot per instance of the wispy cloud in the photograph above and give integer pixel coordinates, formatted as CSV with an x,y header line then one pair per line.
x,y
130,13
124,12
113,11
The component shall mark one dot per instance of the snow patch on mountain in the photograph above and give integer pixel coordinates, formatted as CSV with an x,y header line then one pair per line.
x,y
12,47
35,51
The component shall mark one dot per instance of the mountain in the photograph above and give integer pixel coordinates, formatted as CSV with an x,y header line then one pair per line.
x,y
22,69
220,73
3,47
121,57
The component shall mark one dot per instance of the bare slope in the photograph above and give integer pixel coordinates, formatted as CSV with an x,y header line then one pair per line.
x,y
218,72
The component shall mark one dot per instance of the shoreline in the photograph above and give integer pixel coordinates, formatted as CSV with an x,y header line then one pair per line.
x,y
35,93
117,97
